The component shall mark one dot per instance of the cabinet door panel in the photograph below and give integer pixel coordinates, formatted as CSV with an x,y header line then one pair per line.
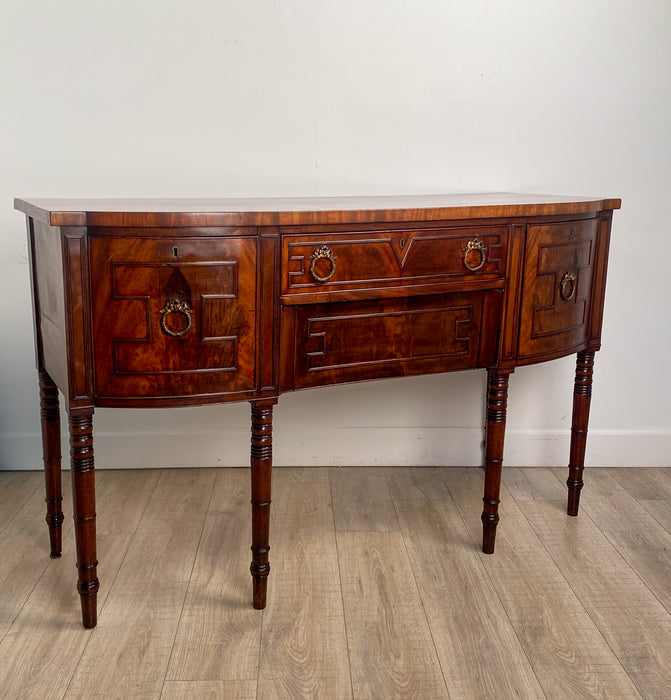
x,y
173,318
352,341
559,262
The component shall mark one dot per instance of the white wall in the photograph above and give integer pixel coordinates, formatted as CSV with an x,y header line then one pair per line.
x,y
212,97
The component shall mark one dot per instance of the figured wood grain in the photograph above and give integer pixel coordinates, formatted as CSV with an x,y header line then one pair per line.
x,y
478,650
134,278
548,321
566,650
42,649
142,614
375,259
361,500
295,211
391,651
640,632
353,341
303,647
219,633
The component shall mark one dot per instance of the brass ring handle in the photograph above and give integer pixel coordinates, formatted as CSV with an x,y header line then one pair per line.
x,y
478,246
175,307
567,287
322,252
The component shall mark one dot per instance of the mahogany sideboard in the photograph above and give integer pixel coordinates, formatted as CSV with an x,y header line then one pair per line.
x,y
145,303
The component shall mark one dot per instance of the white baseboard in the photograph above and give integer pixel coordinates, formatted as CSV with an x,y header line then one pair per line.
x,y
351,447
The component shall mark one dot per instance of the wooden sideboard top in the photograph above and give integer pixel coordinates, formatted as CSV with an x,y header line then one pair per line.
x,y
288,211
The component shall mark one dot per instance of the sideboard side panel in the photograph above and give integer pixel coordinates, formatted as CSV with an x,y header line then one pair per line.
x,y
599,279
50,322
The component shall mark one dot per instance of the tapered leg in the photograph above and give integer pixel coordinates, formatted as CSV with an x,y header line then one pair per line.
x,y
497,401
582,395
261,460
84,507
51,451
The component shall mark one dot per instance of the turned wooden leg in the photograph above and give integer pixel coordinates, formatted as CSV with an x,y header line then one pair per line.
x,y
497,400
261,460
84,508
51,452
582,394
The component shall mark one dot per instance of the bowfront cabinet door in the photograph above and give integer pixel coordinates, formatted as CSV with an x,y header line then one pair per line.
x,y
173,316
556,289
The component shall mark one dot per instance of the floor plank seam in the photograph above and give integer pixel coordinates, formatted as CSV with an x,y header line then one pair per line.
x,y
29,497
577,595
342,597
643,503
594,567
421,600
112,583
89,633
186,588
495,590
644,583
585,508
47,564
101,604
27,598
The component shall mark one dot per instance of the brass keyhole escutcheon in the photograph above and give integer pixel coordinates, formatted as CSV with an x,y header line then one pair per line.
x,y
567,286
175,307
175,251
401,243
475,248
322,253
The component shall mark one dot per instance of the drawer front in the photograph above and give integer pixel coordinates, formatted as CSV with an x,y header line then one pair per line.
x,y
351,341
173,317
373,259
556,288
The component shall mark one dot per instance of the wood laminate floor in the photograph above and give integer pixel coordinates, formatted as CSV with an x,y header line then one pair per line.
x,y
378,588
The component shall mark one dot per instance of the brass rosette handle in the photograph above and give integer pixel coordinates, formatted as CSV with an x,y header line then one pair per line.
x,y
567,286
475,247
323,252
175,307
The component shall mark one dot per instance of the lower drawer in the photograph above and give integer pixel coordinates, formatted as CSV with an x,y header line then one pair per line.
x,y
352,341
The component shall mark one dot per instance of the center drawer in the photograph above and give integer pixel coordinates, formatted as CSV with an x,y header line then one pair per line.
x,y
358,340
344,261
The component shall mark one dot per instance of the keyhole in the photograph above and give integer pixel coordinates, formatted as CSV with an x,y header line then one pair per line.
x,y
175,252
401,243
